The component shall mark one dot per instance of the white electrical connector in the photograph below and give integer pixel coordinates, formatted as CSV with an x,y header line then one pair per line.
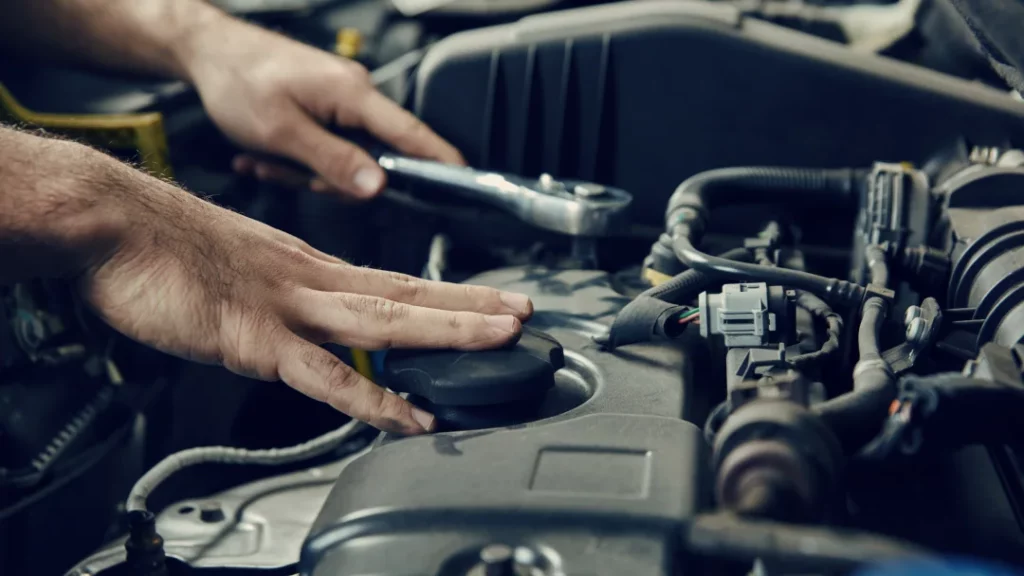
x,y
740,314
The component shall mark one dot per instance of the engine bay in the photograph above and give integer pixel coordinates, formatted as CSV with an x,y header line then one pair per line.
x,y
775,255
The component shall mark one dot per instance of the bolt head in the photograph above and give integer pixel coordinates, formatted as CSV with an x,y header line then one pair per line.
x,y
912,313
915,331
496,553
589,190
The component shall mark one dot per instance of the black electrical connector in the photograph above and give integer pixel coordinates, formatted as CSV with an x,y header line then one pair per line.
x,y
948,411
144,547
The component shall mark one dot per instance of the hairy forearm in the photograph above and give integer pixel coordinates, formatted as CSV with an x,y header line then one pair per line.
x,y
150,36
61,206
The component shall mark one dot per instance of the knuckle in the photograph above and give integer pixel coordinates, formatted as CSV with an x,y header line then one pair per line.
x,y
455,321
357,72
405,288
390,409
339,159
340,380
388,311
276,132
412,129
482,295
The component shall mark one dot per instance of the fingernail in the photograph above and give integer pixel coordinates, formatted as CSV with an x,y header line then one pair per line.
x,y
424,419
518,302
505,323
368,180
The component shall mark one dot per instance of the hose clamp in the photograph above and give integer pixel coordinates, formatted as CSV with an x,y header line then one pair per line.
x,y
864,366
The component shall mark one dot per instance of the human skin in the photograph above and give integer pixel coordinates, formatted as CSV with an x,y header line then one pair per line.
x,y
269,94
192,279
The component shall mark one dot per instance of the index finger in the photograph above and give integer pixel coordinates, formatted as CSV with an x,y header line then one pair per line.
x,y
400,128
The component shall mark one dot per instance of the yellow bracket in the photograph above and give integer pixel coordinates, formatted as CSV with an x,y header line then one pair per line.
x,y
140,133
361,362
655,278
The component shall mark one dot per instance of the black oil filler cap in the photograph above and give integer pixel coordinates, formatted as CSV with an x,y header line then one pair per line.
x,y
485,377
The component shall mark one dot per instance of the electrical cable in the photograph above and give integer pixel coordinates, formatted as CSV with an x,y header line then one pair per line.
x,y
856,416
833,327
653,313
949,411
690,206
833,290
151,480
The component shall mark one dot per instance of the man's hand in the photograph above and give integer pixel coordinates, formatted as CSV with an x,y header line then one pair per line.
x,y
268,93
203,283
271,94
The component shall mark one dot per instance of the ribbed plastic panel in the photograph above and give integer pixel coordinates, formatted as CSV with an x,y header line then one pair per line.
x,y
643,94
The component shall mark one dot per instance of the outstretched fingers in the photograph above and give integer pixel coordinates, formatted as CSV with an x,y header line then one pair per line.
x,y
426,293
321,375
375,323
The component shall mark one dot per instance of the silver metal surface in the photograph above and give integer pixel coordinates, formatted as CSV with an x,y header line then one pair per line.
x,y
263,524
913,312
589,190
916,331
569,207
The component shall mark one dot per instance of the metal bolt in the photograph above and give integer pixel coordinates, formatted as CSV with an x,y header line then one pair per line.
x,y
498,560
589,190
913,312
547,182
915,331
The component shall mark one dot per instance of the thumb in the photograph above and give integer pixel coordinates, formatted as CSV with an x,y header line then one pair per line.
x,y
340,163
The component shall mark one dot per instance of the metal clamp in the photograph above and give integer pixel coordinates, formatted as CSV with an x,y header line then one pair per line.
x,y
570,207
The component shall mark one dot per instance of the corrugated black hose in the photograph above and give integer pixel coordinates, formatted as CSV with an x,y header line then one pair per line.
x,y
687,285
648,316
690,207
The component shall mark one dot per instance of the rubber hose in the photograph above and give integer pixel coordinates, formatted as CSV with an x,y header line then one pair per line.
x,y
708,190
690,206
644,318
949,411
855,417
878,269
799,548
687,285
831,289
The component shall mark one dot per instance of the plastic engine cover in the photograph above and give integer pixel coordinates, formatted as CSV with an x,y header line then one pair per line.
x,y
605,485
642,95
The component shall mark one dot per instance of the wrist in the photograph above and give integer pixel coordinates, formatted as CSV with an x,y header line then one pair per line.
x,y
212,38
55,222
91,214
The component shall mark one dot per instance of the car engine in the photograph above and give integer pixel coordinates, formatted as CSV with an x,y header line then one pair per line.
x,y
776,256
